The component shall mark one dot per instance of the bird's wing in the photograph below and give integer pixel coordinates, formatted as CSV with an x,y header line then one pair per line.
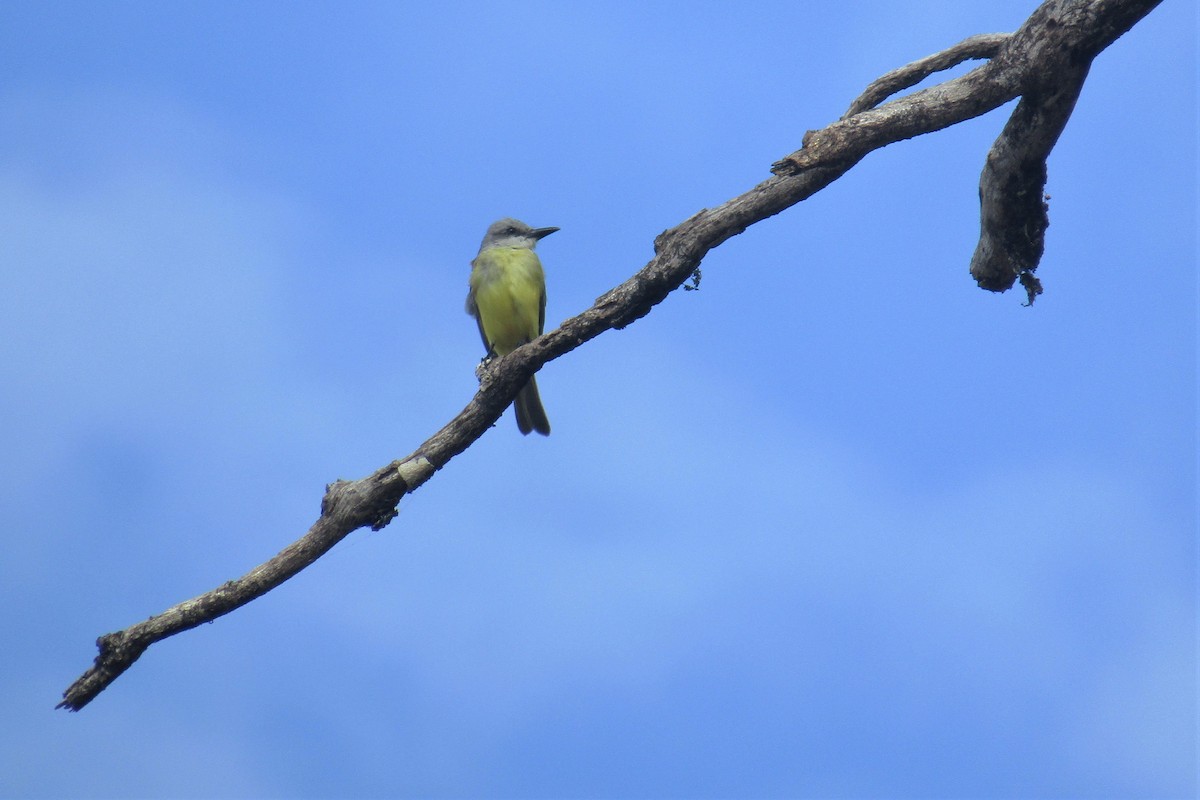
x,y
473,310
542,312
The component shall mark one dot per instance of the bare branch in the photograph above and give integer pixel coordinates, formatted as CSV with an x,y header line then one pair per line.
x,y
983,45
1013,212
1046,59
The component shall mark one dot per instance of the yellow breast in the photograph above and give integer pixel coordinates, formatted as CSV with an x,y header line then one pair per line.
x,y
508,286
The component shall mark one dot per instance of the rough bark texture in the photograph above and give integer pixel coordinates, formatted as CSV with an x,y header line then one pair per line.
x,y
1044,62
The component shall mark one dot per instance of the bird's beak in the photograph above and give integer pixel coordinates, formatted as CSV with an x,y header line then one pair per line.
x,y
540,233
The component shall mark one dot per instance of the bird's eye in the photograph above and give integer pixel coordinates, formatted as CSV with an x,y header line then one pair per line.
x,y
510,230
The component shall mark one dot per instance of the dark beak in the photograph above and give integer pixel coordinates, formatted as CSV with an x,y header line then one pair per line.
x,y
540,233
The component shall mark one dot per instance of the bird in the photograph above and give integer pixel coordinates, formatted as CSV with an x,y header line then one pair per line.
x,y
507,298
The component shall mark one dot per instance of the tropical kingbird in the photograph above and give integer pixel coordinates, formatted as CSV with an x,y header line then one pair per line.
x,y
508,301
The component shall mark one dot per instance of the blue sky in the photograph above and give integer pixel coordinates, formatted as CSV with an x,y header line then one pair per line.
x,y
839,524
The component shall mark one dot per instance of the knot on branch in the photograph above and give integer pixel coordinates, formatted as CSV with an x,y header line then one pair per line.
x,y
335,496
347,500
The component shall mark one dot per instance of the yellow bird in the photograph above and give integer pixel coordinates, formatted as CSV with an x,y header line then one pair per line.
x,y
508,301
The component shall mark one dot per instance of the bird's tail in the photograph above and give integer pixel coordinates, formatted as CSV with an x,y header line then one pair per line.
x,y
530,414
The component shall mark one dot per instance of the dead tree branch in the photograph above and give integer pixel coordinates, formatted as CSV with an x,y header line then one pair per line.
x,y
1044,62
984,45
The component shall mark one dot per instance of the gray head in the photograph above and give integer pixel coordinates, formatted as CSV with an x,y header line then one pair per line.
x,y
510,232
